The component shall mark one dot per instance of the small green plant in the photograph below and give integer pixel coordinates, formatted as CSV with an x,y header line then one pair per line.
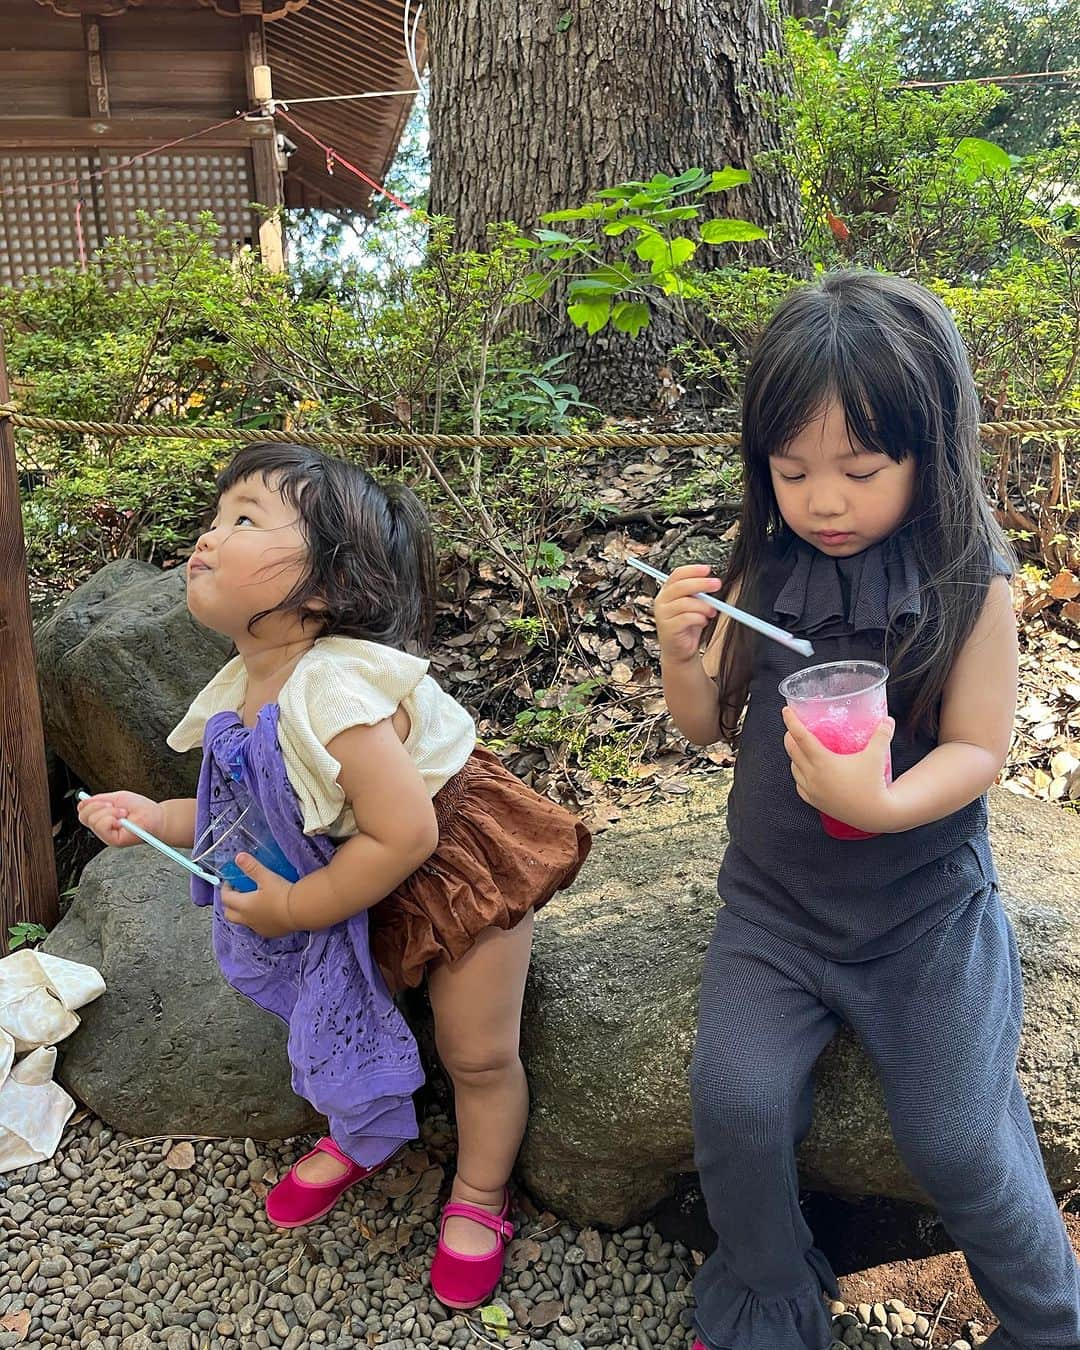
x,y
549,559
612,757
519,398
565,726
528,627
26,935
642,224
721,479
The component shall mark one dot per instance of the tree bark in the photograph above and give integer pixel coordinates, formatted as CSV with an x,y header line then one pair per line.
x,y
536,105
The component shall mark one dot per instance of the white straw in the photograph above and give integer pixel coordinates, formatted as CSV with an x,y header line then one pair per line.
x,y
799,645
161,847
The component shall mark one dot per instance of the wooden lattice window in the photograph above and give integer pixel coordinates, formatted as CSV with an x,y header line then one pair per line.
x,y
38,227
39,224
183,184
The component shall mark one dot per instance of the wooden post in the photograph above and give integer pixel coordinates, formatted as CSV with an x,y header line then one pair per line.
x,y
28,890
268,186
97,79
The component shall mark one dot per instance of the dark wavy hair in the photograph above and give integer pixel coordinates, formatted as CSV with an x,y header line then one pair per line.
x,y
372,563
890,353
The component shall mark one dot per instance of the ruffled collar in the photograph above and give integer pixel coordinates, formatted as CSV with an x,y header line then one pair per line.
x,y
869,591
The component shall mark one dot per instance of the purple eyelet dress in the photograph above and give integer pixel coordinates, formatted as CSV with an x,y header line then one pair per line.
x,y
352,1054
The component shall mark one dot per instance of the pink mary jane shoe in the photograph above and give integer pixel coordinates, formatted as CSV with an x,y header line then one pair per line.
x,y
460,1281
293,1203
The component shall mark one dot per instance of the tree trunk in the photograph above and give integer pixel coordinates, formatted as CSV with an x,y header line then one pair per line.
x,y
536,105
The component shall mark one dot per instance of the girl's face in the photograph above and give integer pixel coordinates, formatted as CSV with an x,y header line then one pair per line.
x,y
836,494
249,560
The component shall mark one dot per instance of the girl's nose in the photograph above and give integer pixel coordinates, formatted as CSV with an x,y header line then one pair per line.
x,y
826,503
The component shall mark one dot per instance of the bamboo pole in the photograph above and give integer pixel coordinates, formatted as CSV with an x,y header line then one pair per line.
x,y
28,890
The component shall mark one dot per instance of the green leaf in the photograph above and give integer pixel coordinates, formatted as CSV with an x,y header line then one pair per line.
x,y
553,236
587,212
655,249
674,213
730,232
565,21
23,933
587,286
535,285
630,316
983,156
590,314
673,284
687,179
723,179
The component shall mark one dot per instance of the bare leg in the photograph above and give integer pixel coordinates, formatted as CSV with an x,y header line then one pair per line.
x,y
477,1004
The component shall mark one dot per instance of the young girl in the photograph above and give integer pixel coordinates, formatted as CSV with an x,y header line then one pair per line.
x,y
865,529
413,851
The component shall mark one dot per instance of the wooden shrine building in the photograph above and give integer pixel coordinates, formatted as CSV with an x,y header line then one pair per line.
x,y
86,86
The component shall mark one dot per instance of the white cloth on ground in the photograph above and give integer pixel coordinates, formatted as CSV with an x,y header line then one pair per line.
x,y
38,997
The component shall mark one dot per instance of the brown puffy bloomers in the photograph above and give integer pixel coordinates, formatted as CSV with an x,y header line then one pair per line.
x,y
503,850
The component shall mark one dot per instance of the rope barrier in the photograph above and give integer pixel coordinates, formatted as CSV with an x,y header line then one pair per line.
x,y
404,440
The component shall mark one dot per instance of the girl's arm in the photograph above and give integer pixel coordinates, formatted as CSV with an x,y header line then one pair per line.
x,y
396,824
690,690
173,821
977,710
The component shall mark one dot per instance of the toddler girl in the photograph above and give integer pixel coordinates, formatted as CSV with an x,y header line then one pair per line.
x,y
402,850
865,529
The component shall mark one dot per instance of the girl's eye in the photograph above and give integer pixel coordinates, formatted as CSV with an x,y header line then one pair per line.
x,y
242,518
864,477
796,478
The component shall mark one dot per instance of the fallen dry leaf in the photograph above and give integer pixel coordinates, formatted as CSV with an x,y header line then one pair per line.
x,y
18,1322
181,1156
591,1244
399,1184
543,1314
522,1253
1065,586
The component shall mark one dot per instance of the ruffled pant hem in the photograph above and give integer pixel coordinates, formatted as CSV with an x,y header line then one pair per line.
x,y
731,1316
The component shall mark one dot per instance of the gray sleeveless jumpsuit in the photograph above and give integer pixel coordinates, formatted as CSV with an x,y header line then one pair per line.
x,y
903,937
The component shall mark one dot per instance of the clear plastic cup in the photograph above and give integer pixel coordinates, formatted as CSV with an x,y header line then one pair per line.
x,y
843,703
216,849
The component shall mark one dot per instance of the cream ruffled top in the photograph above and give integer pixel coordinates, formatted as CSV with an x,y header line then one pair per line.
x,y
342,683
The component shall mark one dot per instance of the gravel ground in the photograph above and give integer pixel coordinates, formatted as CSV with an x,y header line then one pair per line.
x,y
127,1244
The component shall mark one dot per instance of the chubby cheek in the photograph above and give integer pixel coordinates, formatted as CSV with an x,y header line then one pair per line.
x,y
788,500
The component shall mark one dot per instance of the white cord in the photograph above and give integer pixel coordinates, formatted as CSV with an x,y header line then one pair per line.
x,y
410,43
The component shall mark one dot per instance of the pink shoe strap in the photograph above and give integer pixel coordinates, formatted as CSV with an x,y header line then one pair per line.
x,y
498,1223
327,1145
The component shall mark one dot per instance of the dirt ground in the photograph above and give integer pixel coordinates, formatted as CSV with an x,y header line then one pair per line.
x,y
923,1284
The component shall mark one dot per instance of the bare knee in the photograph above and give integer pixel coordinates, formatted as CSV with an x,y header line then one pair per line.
x,y
478,1065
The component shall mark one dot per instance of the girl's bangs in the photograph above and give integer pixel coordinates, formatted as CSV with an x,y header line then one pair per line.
x,y
880,412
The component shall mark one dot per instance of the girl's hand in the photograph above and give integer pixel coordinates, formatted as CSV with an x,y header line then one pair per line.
x,y
264,910
104,812
679,617
850,788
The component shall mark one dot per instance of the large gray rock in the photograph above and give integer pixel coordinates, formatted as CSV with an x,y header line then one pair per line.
x,y
119,662
611,1007
609,1019
169,1048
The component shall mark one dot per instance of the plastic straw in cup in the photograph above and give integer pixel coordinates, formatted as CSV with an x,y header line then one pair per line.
x,y
161,847
799,645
